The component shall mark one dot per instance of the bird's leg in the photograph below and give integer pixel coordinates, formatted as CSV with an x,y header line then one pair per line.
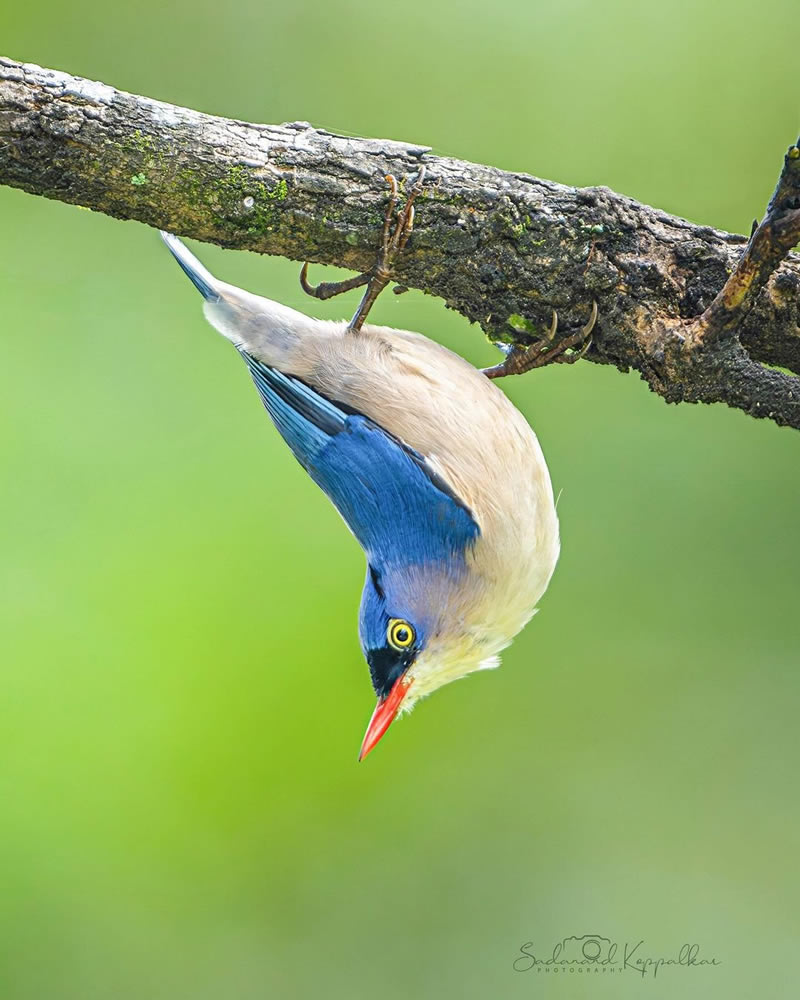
x,y
546,351
395,235
393,242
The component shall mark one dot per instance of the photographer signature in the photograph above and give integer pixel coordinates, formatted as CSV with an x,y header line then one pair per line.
x,y
592,952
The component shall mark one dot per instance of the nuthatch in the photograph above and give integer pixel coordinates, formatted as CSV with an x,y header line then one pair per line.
x,y
438,476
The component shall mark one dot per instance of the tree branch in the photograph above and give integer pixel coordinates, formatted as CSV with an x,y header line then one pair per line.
x,y
701,314
769,243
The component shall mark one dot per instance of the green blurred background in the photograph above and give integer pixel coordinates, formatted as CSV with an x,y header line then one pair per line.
x,y
182,694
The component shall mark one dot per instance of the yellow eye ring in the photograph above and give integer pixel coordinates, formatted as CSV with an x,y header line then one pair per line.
x,y
400,634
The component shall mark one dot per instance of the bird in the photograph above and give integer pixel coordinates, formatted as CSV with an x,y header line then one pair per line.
x,y
437,474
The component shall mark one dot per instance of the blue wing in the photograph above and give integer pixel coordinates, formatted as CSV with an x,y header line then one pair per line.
x,y
398,508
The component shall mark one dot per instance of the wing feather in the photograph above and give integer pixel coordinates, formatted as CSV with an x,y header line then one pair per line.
x,y
398,508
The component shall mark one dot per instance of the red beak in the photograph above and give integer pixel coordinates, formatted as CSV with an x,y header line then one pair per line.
x,y
382,717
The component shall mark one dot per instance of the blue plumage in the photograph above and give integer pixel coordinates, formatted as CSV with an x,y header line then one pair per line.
x,y
400,511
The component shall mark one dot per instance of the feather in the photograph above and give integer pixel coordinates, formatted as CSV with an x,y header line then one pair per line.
x,y
399,509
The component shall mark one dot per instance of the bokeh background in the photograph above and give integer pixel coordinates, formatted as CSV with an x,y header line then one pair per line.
x,y
182,694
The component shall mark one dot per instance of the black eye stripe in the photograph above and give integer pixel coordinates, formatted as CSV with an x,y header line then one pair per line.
x,y
385,666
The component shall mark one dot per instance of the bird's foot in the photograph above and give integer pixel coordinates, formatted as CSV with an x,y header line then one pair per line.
x,y
327,289
547,351
397,228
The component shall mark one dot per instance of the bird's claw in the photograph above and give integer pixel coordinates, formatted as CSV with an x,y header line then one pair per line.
x,y
546,351
397,228
551,333
327,289
394,241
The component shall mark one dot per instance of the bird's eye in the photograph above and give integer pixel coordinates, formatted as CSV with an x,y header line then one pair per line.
x,y
400,634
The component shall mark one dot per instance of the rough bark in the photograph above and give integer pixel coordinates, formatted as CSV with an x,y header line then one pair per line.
x,y
701,314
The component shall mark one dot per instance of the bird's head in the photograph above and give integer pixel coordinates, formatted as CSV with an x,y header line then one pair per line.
x,y
416,637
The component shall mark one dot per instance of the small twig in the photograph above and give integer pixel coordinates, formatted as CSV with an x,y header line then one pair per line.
x,y
769,243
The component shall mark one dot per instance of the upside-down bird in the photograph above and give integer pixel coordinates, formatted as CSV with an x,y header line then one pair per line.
x,y
439,477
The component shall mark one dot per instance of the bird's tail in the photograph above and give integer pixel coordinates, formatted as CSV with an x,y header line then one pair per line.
x,y
271,332
200,277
